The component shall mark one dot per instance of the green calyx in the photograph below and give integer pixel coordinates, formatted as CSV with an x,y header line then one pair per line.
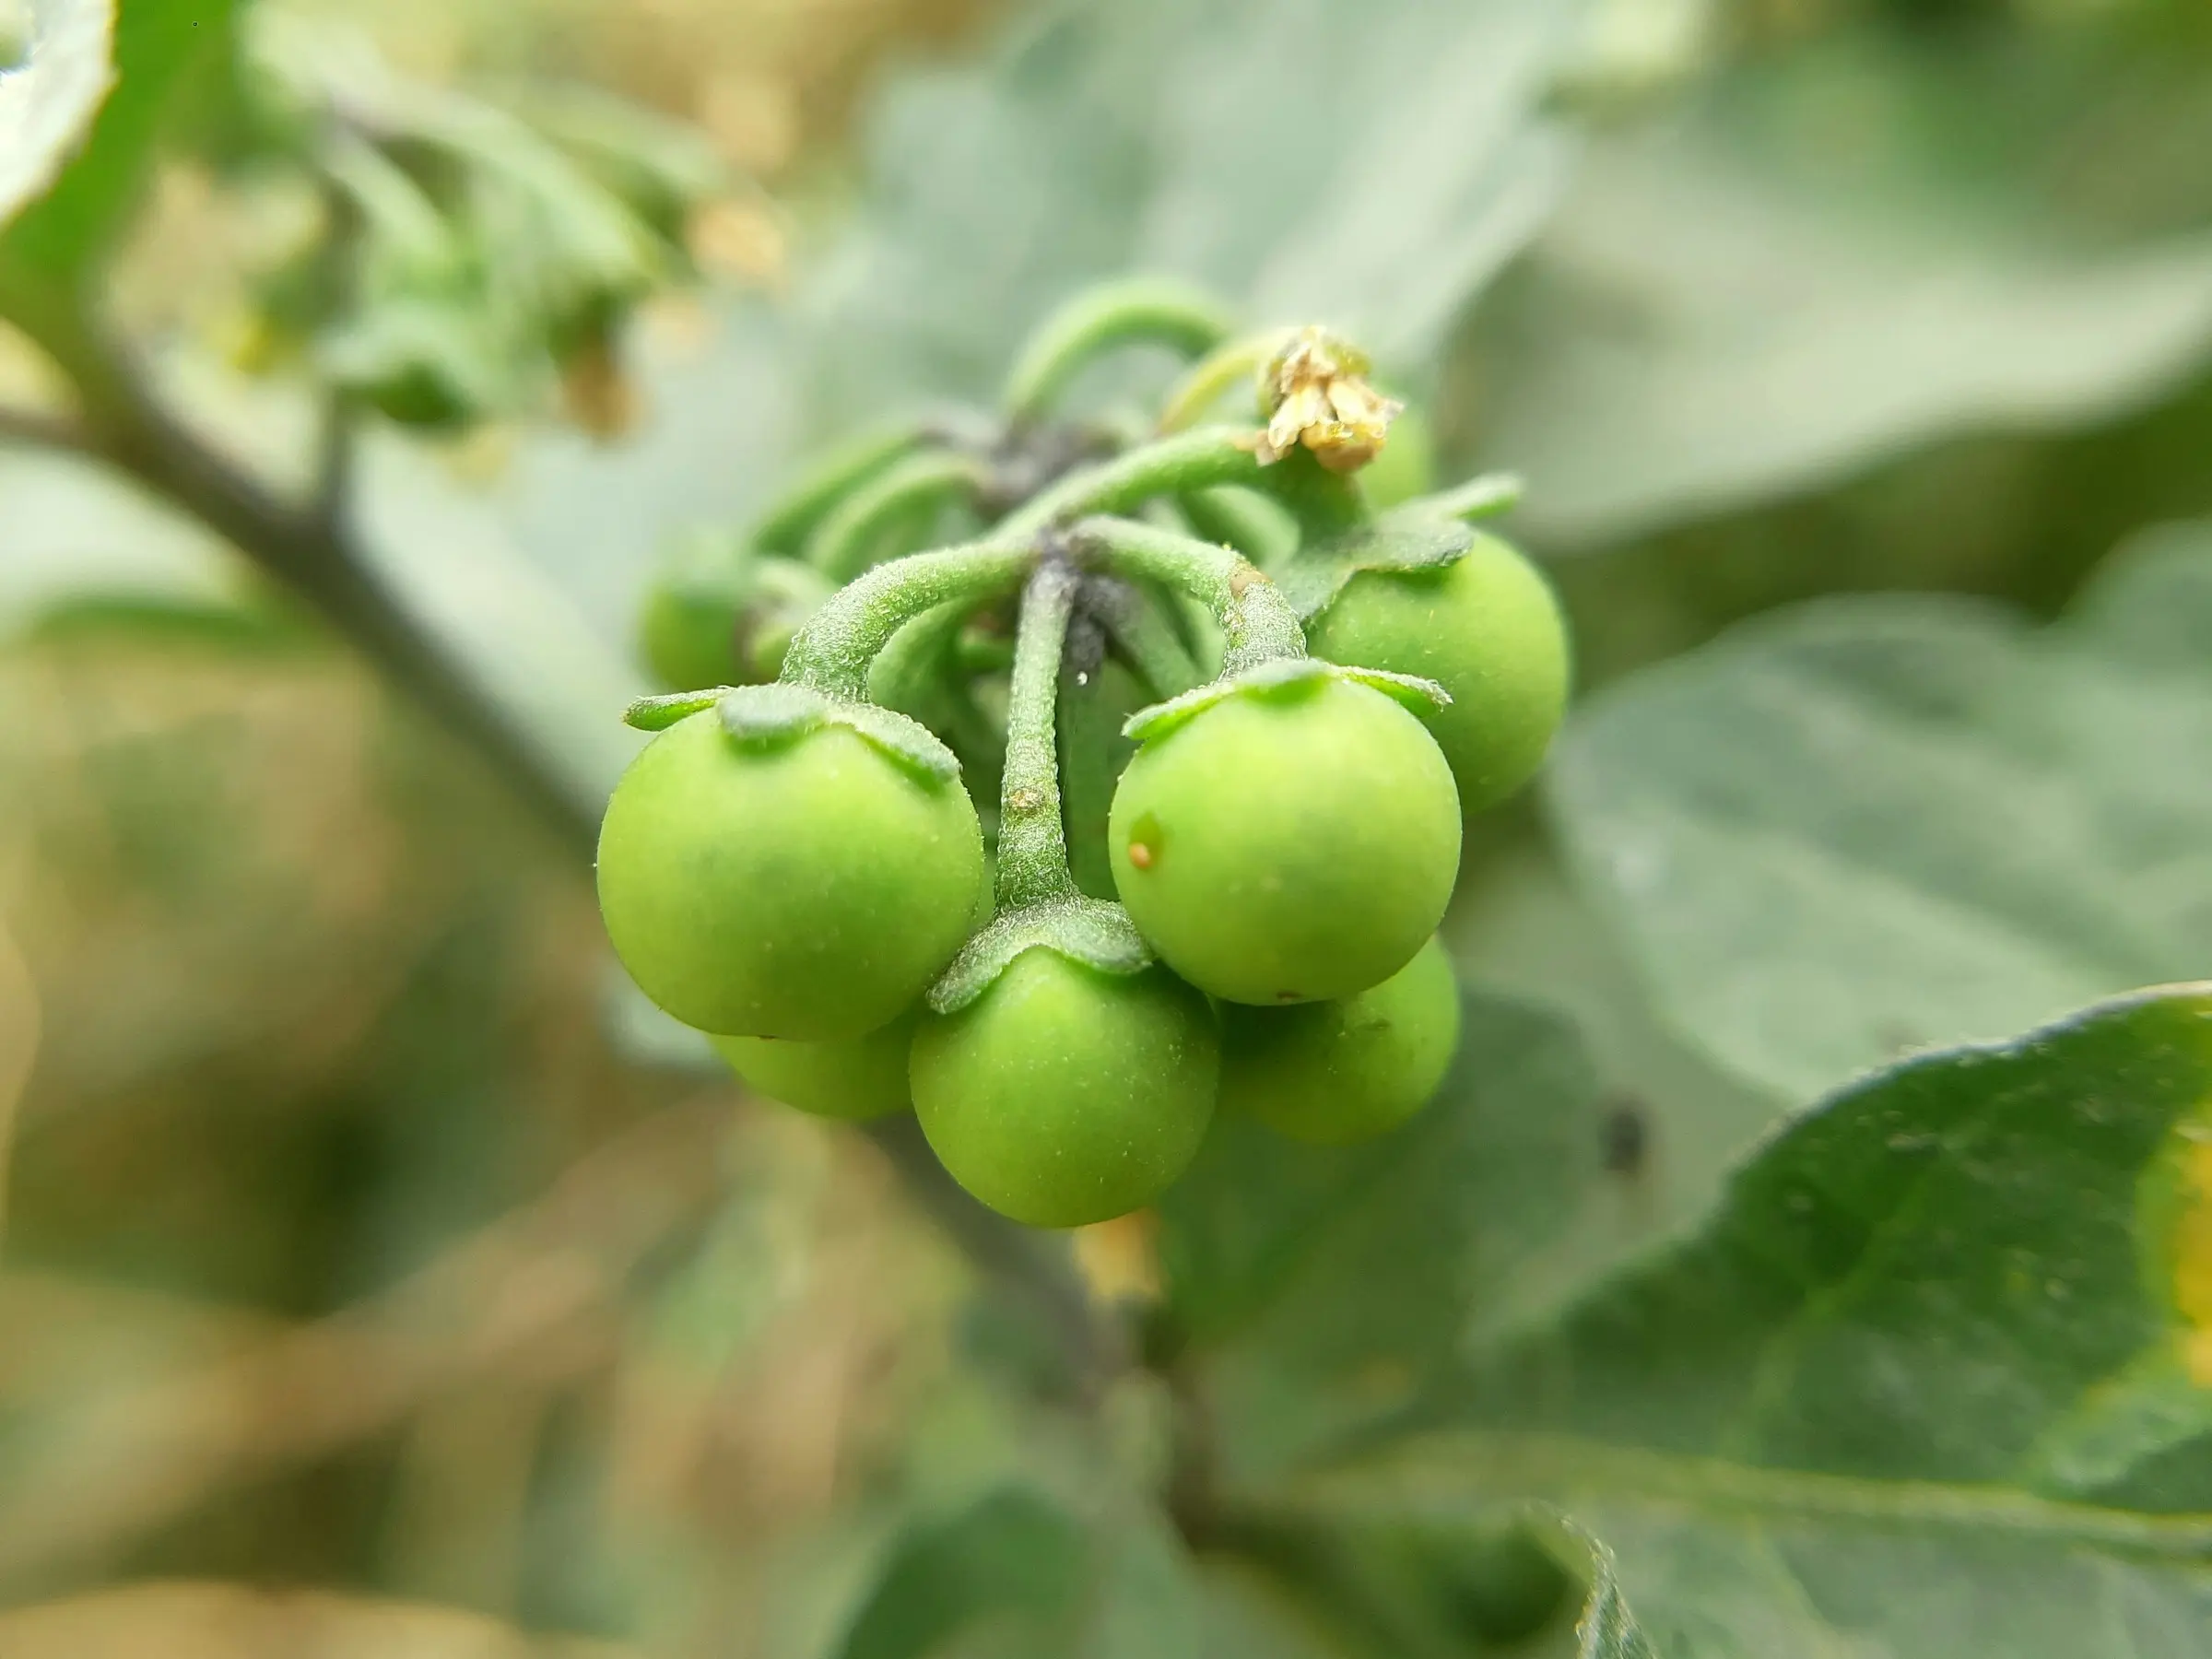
x,y
1094,932
1406,540
765,716
1280,680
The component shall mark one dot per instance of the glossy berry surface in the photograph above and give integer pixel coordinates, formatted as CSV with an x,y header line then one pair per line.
x,y
1488,630
852,1077
1063,1095
1331,1073
808,889
1287,844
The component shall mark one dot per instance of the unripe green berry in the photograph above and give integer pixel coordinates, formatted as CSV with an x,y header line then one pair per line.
x,y
1289,843
688,635
852,1077
1063,1095
1331,1073
808,888
1488,631
1404,466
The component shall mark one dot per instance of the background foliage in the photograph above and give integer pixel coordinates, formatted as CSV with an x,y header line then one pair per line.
x,y
378,1279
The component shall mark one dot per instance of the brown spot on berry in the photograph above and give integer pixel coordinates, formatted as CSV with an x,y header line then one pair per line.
x,y
1146,842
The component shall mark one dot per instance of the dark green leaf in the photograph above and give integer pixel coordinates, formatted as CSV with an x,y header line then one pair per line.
x,y
1878,824
1931,1381
1011,1556
1319,1288
1016,1573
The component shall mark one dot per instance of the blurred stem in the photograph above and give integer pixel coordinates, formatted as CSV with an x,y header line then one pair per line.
x,y
1144,636
1237,362
1241,521
314,558
335,442
317,559
785,526
1140,312
1037,1269
844,544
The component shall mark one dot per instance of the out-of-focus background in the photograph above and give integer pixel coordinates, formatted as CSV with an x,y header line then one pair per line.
x,y
374,1282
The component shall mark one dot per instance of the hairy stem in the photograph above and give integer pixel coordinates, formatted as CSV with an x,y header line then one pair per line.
x,y
844,543
1169,466
1032,840
1141,312
1257,623
833,652
787,524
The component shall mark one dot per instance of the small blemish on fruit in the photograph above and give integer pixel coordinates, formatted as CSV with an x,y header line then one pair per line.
x,y
1145,842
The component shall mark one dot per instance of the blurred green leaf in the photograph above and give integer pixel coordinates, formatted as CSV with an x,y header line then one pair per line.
x,y
1013,1574
45,252
1012,1553
48,100
1385,163
1318,1288
1827,1421
1874,824
1822,260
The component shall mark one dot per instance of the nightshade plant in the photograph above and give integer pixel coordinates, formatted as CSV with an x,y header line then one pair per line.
x,y
1070,800
793,866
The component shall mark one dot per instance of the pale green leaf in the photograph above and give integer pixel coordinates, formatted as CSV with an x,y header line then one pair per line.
x,y
1872,824
1733,302
1388,161
48,101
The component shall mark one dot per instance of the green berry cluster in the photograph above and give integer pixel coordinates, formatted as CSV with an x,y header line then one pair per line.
x,y
858,877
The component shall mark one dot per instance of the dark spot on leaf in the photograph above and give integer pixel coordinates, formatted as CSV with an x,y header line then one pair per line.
x,y
1625,1137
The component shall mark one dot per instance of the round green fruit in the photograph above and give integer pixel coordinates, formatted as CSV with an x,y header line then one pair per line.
x,y
1404,466
688,635
1063,1095
1335,1072
1290,843
808,888
1488,631
852,1077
